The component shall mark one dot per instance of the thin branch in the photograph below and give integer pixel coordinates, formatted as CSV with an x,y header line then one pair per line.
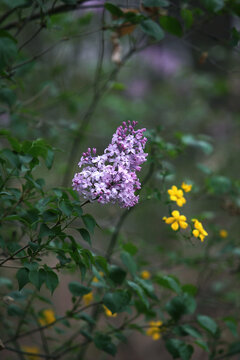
x,y
25,21
7,14
31,38
52,11
37,329
23,317
45,51
28,353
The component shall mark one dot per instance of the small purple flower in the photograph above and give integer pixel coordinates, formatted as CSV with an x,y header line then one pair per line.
x,y
111,177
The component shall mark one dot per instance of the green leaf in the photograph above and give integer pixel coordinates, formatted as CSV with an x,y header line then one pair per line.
x,y
148,288
187,17
169,282
22,277
219,185
50,215
65,207
152,29
51,280
101,263
87,318
190,330
49,158
16,3
234,348
213,5
6,282
45,231
232,324
202,344
116,274
190,289
171,25
78,289
207,323
113,9
235,36
8,50
104,342
117,301
204,145
77,210
89,222
11,157
130,248
9,97
137,288
85,235
181,305
155,3
179,349
129,262
15,310
37,278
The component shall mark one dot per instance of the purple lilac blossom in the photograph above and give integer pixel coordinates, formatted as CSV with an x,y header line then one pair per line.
x,y
111,177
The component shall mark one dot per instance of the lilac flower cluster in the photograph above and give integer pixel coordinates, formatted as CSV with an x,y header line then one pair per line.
x,y
111,177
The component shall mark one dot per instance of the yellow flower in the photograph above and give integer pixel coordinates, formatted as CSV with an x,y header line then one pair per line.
x,y
145,274
176,194
176,220
186,187
95,279
47,317
88,298
31,349
154,329
223,233
108,312
199,231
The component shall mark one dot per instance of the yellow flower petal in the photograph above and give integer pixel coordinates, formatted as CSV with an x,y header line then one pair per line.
x,y
186,187
108,312
145,275
156,336
179,203
170,220
195,233
47,317
175,214
182,218
180,193
88,298
175,226
183,224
